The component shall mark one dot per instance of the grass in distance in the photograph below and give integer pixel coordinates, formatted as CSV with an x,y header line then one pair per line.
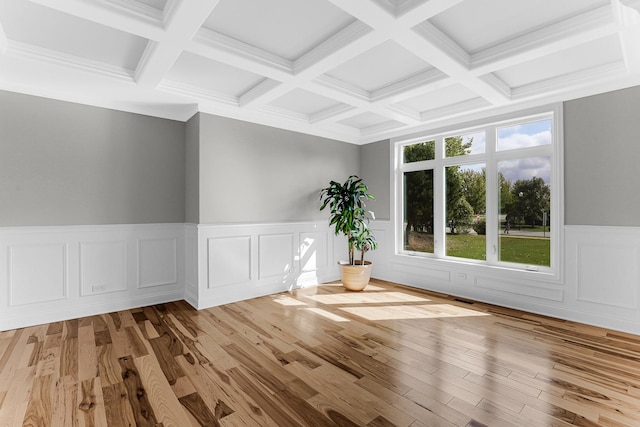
x,y
516,249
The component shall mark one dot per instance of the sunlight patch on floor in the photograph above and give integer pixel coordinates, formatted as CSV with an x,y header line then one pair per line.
x,y
285,300
398,312
367,298
324,313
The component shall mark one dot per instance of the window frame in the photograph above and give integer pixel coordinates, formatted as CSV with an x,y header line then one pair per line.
x,y
491,158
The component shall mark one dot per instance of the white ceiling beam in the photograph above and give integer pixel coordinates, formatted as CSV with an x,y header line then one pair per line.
x,y
462,107
186,19
271,87
425,41
339,90
48,56
556,85
349,42
196,92
433,46
4,42
413,12
571,32
221,48
628,19
265,116
339,48
110,14
371,13
343,92
381,127
354,39
334,51
631,3
411,87
630,40
333,114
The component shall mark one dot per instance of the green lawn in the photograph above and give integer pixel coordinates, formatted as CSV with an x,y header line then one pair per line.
x,y
466,246
525,250
522,250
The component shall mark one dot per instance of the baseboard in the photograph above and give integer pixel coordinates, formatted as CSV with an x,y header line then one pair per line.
x,y
107,305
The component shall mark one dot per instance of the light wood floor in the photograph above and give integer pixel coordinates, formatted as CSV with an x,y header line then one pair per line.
x,y
321,356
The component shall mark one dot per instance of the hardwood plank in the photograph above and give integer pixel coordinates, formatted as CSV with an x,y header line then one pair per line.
x,y
138,397
87,357
406,405
282,415
39,409
16,400
10,360
65,403
196,407
108,367
166,360
91,406
217,390
118,410
136,343
166,407
69,357
183,387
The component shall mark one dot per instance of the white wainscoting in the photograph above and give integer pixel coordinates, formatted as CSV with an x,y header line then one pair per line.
x,y
57,273
598,284
603,275
237,262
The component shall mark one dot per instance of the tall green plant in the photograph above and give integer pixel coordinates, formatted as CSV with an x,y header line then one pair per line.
x,y
348,215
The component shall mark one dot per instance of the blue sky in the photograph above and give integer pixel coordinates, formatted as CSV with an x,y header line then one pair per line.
x,y
524,135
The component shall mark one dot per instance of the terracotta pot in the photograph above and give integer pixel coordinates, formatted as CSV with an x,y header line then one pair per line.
x,y
355,277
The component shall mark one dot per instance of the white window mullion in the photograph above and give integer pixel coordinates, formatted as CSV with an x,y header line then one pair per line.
x,y
493,198
398,198
439,207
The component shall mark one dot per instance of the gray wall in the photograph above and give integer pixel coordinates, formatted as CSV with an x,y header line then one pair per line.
x,y
255,173
602,155
63,163
192,170
375,166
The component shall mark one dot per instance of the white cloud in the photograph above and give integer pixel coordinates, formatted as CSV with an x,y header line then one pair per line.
x,y
525,169
521,140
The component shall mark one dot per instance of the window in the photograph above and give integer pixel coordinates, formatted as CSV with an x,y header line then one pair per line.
x,y
484,195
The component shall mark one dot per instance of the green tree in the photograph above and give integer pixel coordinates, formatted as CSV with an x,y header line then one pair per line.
x,y
474,186
455,146
506,196
530,198
461,216
458,216
419,189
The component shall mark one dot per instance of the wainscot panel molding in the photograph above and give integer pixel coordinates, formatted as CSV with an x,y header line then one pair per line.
x,y
603,273
57,273
599,283
241,261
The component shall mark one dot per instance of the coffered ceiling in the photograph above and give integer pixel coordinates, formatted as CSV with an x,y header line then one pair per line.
x,y
352,70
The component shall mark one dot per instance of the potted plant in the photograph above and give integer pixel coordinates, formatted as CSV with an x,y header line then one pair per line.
x,y
349,217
